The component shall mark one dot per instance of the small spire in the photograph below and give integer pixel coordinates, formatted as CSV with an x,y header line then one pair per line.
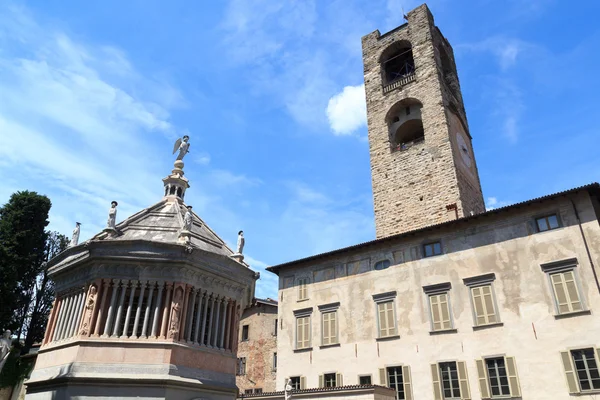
x,y
175,184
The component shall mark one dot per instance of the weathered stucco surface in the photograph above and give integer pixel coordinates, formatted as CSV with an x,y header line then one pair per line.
x,y
259,348
506,244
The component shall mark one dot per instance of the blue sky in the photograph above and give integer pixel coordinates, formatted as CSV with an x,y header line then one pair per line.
x,y
92,99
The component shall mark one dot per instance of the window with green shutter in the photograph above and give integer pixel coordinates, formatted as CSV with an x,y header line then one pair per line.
x,y
581,368
498,377
439,306
564,285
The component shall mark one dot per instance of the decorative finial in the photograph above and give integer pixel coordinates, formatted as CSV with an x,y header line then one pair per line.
x,y
75,237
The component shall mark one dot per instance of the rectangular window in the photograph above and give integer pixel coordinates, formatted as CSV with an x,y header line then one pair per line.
x,y
303,332
432,249
364,380
498,378
248,391
329,321
484,305
274,361
449,380
329,380
241,370
440,312
396,381
547,223
566,293
303,289
275,328
257,390
586,369
295,382
386,319
245,332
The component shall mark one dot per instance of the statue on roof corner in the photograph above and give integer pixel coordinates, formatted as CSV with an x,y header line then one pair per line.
x,y
188,219
183,146
288,389
75,237
240,242
112,215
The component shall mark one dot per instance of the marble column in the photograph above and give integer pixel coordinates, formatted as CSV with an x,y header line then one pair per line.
x,y
188,331
166,308
65,321
154,334
60,317
104,290
138,311
204,317
210,320
78,312
228,334
111,308
184,312
123,286
223,321
215,341
151,286
49,330
198,314
130,306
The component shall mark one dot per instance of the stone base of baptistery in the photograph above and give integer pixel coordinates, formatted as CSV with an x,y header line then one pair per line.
x,y
127,368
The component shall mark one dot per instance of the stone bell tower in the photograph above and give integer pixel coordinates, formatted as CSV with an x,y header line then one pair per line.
x,y
422,165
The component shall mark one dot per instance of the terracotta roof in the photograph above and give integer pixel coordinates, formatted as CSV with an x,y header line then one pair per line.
x,y
268,301
592,187
313,390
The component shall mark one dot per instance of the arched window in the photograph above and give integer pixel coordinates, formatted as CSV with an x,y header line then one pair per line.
x,y
172,191
448,72
397,62
179,191
405,125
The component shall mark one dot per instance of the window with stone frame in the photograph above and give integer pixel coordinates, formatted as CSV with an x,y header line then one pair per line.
x,y
498,377
303,288
365,380
241,366
296,382
248,391
245,332
439,306
331,379
386,315
565,287
303,328
450,380
399,379
483,299
329,324
547,223
274,361
432,249
581,370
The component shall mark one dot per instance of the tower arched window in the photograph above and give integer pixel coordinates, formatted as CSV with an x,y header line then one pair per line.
x,y
405,125
397,62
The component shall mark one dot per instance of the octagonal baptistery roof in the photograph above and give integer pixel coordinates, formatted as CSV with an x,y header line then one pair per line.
x,y
153,300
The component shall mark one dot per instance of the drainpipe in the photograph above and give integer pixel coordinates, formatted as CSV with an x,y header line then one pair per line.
x,y
587,249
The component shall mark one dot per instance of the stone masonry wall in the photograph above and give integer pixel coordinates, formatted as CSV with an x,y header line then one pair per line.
x,y
412,188
258,349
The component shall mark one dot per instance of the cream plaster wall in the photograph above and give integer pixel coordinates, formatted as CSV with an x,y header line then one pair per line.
x,y
504,244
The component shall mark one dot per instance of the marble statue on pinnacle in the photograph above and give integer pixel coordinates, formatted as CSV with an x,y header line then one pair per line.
x,y
75,237
183,146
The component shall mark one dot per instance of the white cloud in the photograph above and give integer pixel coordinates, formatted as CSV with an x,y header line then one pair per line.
x,y
492,203
347,110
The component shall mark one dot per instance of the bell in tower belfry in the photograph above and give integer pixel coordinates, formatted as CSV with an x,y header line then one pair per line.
x,y
422,165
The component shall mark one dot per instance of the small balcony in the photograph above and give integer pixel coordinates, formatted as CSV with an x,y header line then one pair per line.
x,y
406,79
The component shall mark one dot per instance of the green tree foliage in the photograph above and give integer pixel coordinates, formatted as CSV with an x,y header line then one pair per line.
x,y
22,252
43,295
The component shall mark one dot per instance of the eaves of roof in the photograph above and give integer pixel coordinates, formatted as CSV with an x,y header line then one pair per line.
x,y
593,188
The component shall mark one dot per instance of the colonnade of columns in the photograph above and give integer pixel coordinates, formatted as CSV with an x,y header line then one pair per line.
x,y
124,308
66,316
